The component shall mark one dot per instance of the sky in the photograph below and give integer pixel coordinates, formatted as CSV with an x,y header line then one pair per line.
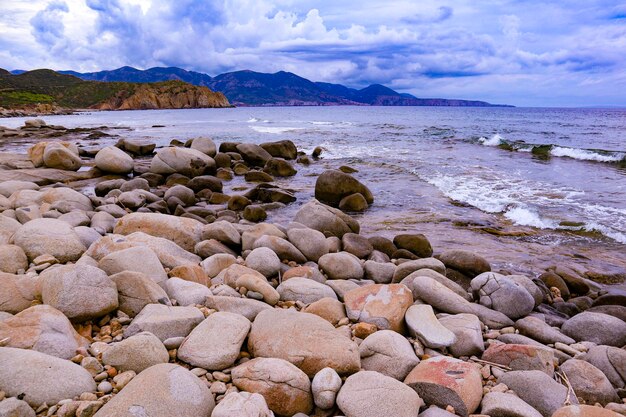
x,y
520,52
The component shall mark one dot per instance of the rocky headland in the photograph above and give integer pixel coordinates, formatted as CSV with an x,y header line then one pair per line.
x,y
132,283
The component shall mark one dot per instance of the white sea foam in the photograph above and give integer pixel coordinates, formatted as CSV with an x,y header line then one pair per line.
x,y
526,217
322,123
495,140
585,155
256,120
274,130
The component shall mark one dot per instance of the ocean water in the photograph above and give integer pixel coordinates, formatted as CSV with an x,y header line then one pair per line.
x,y
523,186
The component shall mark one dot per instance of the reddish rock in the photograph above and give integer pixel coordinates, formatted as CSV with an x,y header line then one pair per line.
x,y
381,304
521,357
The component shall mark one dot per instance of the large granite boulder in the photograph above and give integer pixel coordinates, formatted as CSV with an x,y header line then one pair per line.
x,y
333,185
188,162
598,328
49,237
326,219
114,160
502,294
136,353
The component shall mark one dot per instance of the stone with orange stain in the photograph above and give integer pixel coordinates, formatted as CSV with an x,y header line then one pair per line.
x,y
381,304
584,411
193,273
521,357
444,381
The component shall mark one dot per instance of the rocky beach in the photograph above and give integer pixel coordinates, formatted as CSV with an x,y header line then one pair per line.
x,y
216,278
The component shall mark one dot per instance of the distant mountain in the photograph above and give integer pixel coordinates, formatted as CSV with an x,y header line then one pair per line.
x,y
50,89
249,88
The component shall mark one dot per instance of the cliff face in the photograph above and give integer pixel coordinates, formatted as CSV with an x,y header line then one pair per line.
x,y
164,95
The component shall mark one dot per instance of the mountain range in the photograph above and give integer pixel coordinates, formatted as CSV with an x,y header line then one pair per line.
x,y
249,88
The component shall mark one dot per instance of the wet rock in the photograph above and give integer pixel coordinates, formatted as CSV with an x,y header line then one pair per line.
x,y
574,281
417,244
136,290
389,353
381,304
304,339
465,262
112,159
137,147
136,353
506,405
242,404
81,292
598,328
304,290
164,321
215,343
521,357
341,265
160,391
279,168
540,391
357,245
444,381
254,213
257,176
286,389
44,329
424,326
588,382
333,185
12,259
185,232
49,237
281,149
371,394
189,162
35,376
354,202
541,331
326,219
553,280
253,154
467,329
499,293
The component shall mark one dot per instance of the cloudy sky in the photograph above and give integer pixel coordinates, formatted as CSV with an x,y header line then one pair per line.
x,y
522,52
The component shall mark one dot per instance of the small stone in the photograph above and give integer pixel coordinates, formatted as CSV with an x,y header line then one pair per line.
x,y
325,386
424,326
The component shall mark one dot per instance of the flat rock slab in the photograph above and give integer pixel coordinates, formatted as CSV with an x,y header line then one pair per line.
x,y
164,321
423,325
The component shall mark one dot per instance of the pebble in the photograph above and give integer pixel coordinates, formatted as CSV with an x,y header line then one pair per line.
x,y
105,387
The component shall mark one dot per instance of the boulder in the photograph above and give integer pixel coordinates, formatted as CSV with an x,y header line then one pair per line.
x,y
247,307
424,326
325,386
44,329
12,407
506,405
611,361
330,309
598,328
381,304
81,292
499,293
17,292
126,260
12,259
417,244
188,162
164,321
304,339
279,168
540,331
49,237
521,357
253,154
311,243
264,260
242,404
136,353
35,377
9,187
8,227
286,389
58,156
260,285
183,231
333,185
304,290
588,382
371,394
325,219
204,145
342,265
215,343
540,391
354,202
444,381
281,149
380,273
186,293
469,336
283,248
389,353
222,231
407,268
136,290
114,160
467,263
162,390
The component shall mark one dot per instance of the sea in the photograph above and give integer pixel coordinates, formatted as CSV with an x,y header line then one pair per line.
x,y
525,187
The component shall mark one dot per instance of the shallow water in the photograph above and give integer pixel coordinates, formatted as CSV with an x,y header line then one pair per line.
x,y
472,177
